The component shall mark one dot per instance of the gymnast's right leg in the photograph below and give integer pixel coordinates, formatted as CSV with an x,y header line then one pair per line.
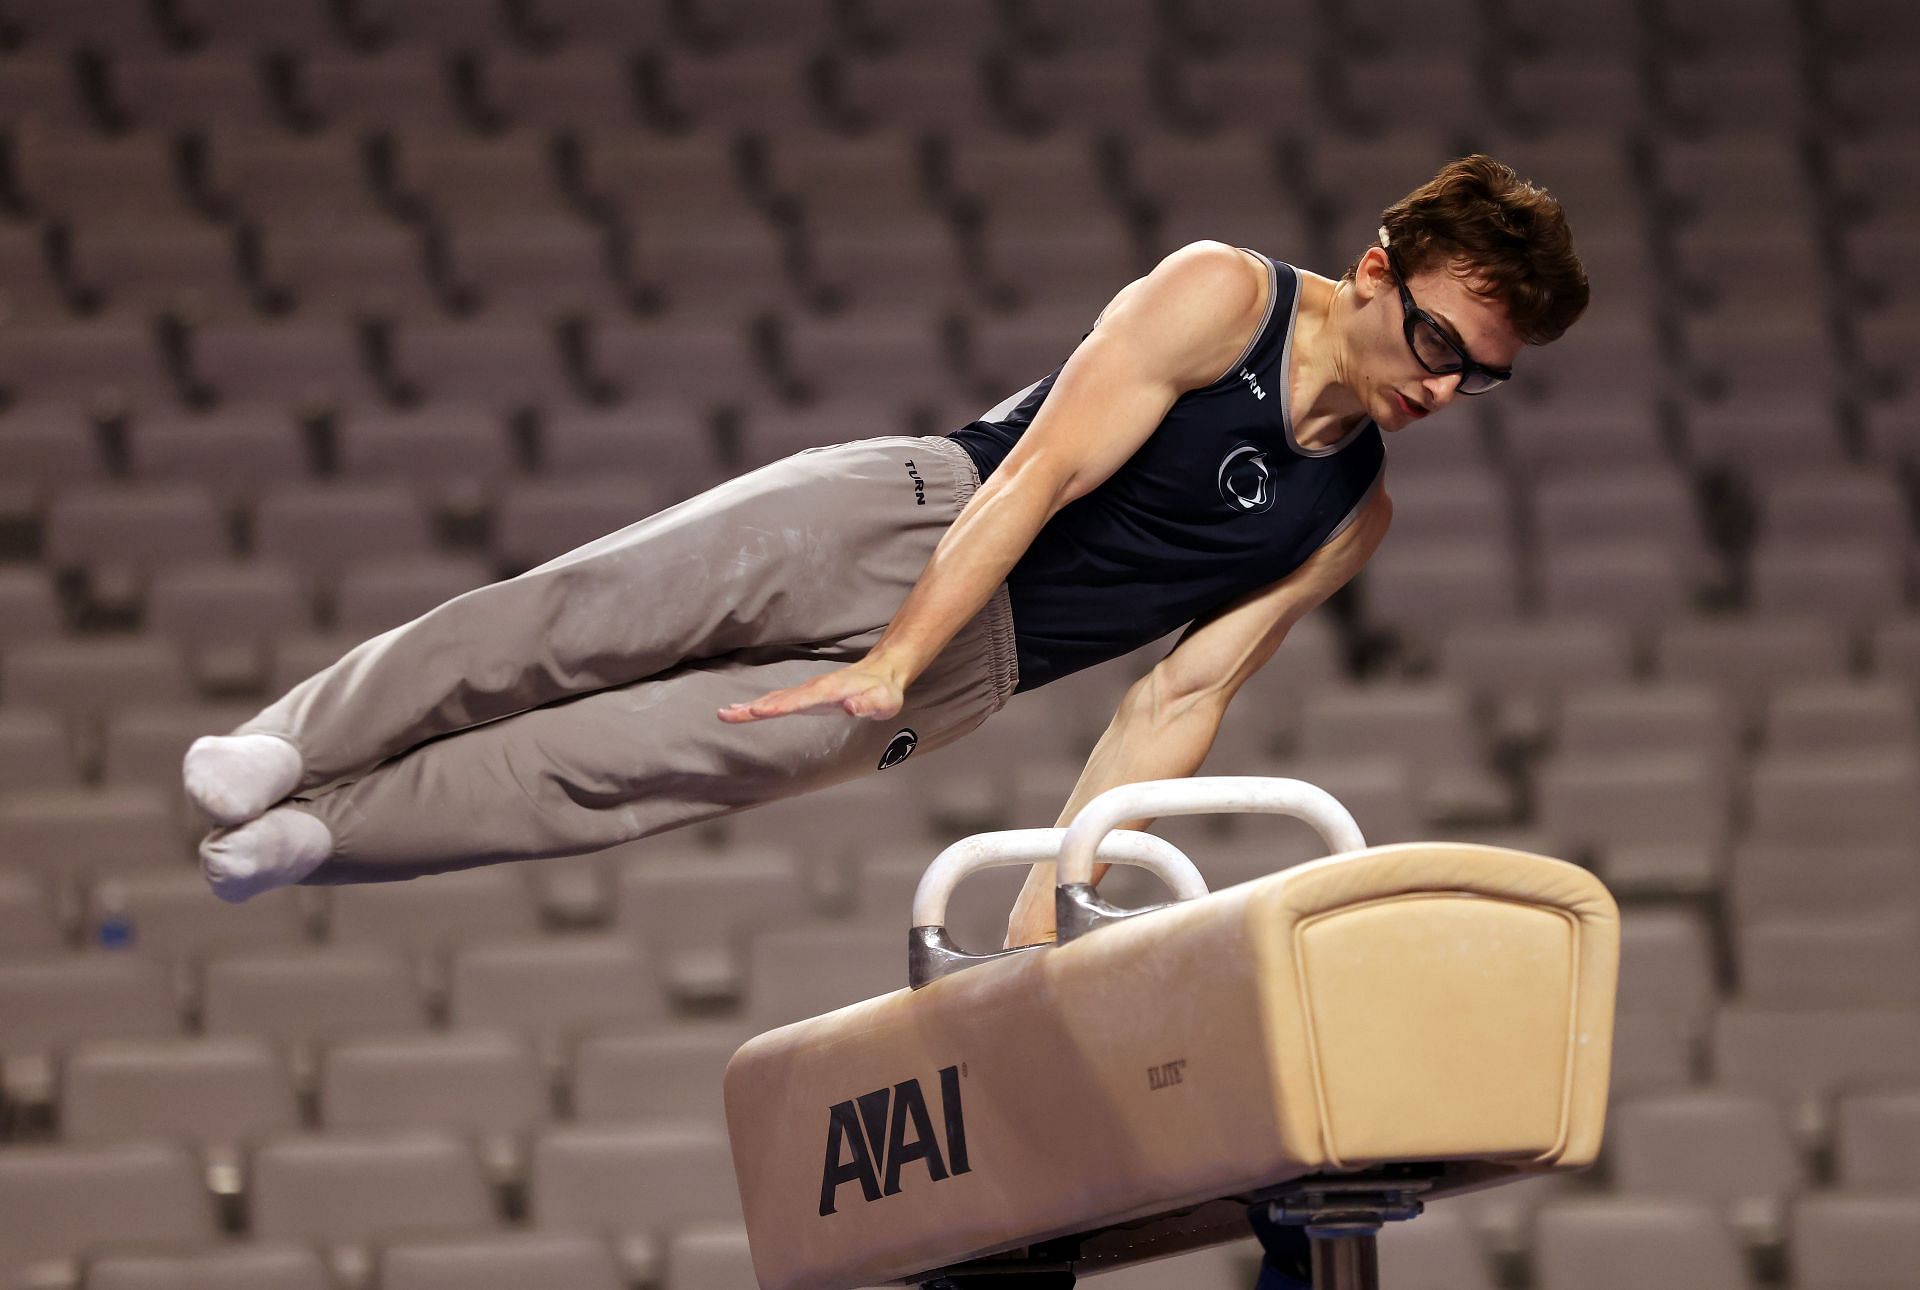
x,y
816,547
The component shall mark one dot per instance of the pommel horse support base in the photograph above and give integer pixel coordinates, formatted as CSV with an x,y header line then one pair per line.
x,y
1338,1043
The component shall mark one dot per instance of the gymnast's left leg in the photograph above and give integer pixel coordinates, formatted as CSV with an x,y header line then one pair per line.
x,y
606,767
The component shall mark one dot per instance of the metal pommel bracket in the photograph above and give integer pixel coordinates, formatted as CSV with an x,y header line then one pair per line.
x,y
1077,910
931,953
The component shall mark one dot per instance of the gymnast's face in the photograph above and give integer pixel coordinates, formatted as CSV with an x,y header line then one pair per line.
x,y
1396,389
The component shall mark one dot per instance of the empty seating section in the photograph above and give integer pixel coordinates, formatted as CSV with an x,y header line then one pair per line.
x,y
316,315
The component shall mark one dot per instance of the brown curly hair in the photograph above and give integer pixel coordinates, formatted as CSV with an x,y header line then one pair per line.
x,y
1508,238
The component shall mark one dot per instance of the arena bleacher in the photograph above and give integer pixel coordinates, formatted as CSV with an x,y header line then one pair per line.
x,y
315,313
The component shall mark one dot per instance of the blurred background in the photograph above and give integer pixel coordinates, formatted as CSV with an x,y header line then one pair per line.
x,y
317,312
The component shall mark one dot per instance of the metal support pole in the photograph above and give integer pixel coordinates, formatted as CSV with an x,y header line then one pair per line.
x,y
1343,1222
1345,1258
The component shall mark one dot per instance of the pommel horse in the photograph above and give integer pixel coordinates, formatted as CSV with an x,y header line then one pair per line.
x,y
1338,1043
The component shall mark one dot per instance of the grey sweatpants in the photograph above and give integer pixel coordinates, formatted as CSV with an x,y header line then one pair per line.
x,y
573,707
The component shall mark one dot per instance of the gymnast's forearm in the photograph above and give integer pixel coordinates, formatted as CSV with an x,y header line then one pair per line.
x,y
971,561
1151,736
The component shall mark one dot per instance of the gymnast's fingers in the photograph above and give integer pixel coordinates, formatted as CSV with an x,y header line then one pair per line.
x,y
835,692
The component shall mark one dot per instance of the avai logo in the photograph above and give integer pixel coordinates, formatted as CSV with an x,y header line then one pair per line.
x,y
899,748
1246,482
867,1140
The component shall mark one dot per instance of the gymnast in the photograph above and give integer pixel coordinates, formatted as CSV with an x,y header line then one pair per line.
x,y
1211,456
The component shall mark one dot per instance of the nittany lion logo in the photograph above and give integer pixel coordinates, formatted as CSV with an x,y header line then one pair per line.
x,y
899,748
1246,482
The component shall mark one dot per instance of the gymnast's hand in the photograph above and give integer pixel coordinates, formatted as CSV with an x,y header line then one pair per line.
x,y
863,689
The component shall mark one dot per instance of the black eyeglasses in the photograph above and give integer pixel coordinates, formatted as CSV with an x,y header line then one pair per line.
x,y
1432,348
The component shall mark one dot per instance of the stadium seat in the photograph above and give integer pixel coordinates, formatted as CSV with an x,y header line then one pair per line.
x,y
1268,86
300,363
1615,720
1638,583
255,1265
1771,880
143,746
1842,716
1854,583
35,751
669,1076
372,91
1730,1148
1646,501
29,607
487,1085
1747,656
369,599
539,519
1865,959
346,1191
801,972
501,1261
321,528
1439,1252
64,834
895,353
1651,1054
1855,1241
1827,797
28,925
235,451
740,88
635,1183
167,914
196,91
665,440
56,1203
191,270
1876,1133
109,363
1854,505
94,182
223,615
421,446
1664,1244
578,87
431,915
694,912
134,529
50,1001
1801,1058
39,91
307,997
550,987
214,1091
1419,593
1666,964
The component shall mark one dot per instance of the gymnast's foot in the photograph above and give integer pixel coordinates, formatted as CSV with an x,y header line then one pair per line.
x,y
277,850
234,778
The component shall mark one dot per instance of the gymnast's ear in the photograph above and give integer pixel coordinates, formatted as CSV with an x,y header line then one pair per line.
x,y
1372,275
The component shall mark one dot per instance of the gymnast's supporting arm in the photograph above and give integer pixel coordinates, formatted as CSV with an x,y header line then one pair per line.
x,y
1171,331
1166,723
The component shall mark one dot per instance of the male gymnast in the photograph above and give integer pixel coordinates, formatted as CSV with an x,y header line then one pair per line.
x,y
1211,455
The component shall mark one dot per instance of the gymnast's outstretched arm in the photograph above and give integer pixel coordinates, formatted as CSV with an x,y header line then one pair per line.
x,y
1169,332
1166,723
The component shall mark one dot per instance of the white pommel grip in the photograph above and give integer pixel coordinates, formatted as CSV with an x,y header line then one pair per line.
x,y
1032,846
1202,795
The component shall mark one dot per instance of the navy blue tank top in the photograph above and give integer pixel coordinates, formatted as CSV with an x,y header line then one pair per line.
x,y
1217,502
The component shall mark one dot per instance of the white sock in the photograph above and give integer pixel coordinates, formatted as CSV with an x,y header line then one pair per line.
x,y
233,778
277,850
